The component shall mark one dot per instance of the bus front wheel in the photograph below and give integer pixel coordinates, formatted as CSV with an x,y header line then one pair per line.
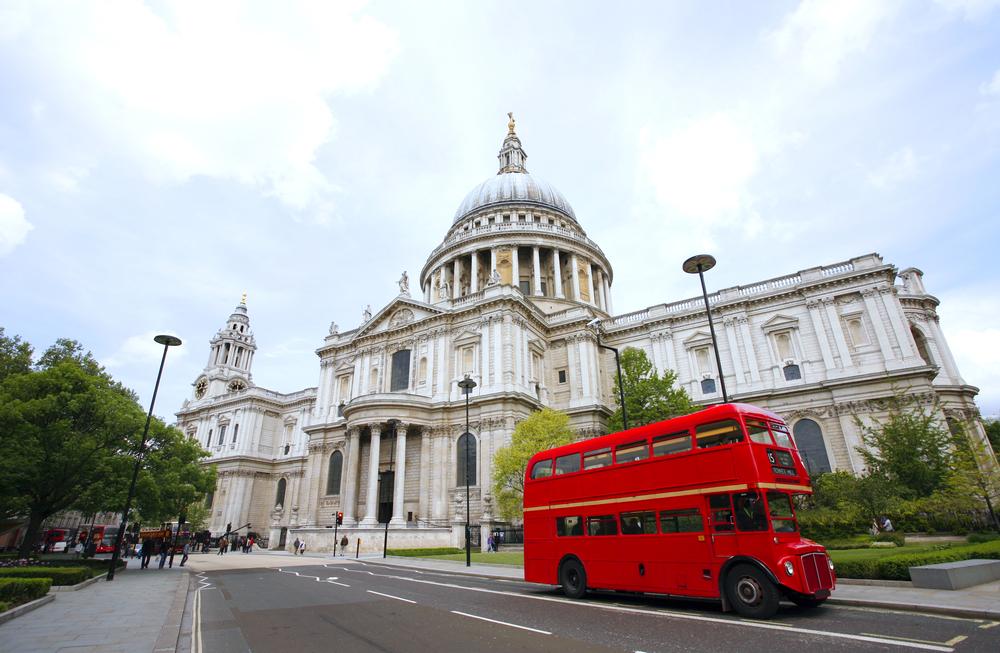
x,y
573,579
751,593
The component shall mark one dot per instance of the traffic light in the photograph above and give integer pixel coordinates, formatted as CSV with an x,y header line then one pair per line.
x,y
340,519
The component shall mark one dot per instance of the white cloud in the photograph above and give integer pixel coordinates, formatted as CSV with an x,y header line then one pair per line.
x,y
992,87
13,226
701,169
970,9
897,168
821,34
209,89
141,350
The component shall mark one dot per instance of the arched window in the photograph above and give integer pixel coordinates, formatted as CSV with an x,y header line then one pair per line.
x,y
279,497
333,475
466,450
809,439
922,348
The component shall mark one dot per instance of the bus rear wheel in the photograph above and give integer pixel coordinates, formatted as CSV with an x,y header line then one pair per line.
x,y
751,593
573,579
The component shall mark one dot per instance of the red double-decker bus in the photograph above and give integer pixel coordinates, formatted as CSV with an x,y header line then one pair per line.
x,y
696,506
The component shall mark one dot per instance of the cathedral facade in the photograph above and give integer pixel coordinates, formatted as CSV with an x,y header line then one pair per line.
x,y
515,299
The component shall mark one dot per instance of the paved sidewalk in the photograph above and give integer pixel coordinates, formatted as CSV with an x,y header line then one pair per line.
x,y
137,612
980,602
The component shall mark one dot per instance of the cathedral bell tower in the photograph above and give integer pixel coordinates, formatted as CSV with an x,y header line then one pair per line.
x,y
230,357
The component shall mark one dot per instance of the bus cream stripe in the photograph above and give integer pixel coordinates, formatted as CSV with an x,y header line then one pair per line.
x,y
785,486
641,497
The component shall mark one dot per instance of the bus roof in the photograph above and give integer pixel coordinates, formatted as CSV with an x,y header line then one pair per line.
x,y
719,411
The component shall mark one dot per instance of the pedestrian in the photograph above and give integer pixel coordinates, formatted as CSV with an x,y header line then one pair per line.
x,y
187,550
170,548
147,553
887,525
78,549
295,547
874,528
250,543
343,545
490,543
302,547
163,552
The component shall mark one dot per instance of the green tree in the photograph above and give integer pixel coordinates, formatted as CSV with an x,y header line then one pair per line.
x,y
649,396
15,356
976,475
542,430
172,477
197,515
60,428
911,448
992,427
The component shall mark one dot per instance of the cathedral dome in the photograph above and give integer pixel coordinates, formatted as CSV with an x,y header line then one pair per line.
x,y
520,187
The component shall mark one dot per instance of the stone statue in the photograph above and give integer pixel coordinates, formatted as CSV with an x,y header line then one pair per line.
x,y
404,284
333,328
367,315
494,279
444,289
510,124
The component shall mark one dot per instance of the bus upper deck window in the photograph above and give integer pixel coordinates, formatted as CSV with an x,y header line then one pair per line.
x,y
595,459
664,445
632,452
542,469
781,435
568,464
718,433
758,432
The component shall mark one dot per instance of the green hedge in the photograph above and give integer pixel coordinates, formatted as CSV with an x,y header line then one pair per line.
x,y
825,524
15,591
59,575
4,606
978,538
897,567
423,553
91,563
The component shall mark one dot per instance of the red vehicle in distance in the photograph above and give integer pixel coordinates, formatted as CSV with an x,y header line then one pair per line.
x,y
696,506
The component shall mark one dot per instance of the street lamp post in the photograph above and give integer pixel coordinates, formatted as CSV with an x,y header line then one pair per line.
x,y
699,264
467,384
595,324
167,342
393,423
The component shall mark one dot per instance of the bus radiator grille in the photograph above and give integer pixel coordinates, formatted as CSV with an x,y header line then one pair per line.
x,y
817,572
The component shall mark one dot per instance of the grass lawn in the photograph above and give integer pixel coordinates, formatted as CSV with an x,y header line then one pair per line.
x,y
512,558
845,555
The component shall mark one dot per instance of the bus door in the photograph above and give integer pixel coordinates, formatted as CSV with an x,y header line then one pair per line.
x,y
722,526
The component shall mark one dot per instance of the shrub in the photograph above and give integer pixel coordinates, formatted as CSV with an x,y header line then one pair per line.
x,y
897,567
854,542
16,591
823,524
423,553
4,606
979,538
896,538
58,575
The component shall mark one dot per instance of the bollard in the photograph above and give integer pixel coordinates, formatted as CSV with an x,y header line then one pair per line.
x,y
357,552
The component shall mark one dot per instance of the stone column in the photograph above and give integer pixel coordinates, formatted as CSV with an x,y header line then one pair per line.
x,y
838,332
876,318
895,311
536,279
456,278
734,352
607,295
399,478
424,507
933,321
439,466
473,272
743,324
484,354
515,268
557,274
371,512
590,285
817,322
353,451
496,333
601,284
574,277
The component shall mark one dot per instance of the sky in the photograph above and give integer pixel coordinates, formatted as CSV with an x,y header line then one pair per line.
x,y
159,159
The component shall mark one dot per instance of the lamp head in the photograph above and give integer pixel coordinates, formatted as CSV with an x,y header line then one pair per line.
x,y
594,324
169,341
699,263
467,384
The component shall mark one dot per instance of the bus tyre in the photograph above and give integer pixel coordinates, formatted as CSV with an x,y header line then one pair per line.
x,y
751,593
573,579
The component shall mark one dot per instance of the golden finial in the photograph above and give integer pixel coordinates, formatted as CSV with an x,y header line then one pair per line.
x,y
243,299
510,124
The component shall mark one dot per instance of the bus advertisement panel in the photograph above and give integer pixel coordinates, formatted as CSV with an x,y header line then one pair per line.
x,y
696,506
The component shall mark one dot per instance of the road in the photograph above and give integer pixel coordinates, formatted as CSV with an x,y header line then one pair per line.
x,y
357,606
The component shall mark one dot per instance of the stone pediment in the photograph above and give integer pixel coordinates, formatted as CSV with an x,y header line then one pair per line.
x,y
698,339
779,322
466,338
399,313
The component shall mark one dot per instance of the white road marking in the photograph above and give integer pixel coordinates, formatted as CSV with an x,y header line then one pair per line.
x,y
691,617
315,578
990,625
502,623
390,596
950,642
956,640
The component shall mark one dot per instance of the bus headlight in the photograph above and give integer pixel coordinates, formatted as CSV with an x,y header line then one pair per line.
x,y
829,561
789,568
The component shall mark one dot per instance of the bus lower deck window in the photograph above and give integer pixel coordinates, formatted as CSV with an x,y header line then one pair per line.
x,y
638,523
569,525
602,525
687,520
721,512
749,511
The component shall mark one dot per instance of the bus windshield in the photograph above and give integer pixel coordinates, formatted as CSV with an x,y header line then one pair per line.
x,y
782,515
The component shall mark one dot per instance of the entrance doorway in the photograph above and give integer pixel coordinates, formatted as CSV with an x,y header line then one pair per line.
x,y
282,538
386,481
